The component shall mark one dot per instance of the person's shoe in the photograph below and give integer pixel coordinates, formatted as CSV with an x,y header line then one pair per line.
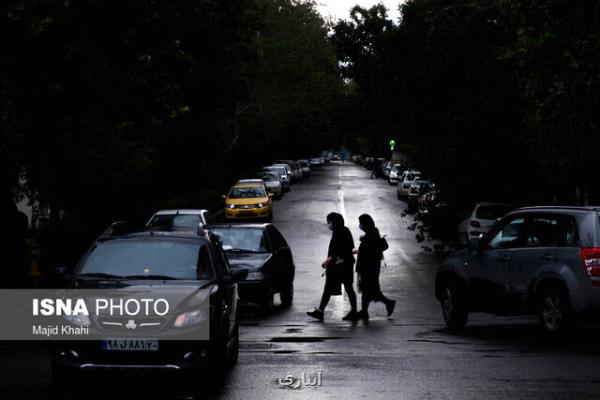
x,y
317,314
351,316
390,307
363,315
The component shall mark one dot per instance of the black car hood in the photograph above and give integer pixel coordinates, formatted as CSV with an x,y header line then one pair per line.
x,y
249,261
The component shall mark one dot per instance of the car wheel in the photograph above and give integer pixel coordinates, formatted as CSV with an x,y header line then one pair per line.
x,y
287,295
453,305
554,310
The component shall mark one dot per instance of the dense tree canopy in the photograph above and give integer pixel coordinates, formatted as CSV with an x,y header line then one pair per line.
x,y
493,99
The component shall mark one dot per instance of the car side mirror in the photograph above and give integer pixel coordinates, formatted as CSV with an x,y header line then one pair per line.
x,y
223,196
474,244
271,194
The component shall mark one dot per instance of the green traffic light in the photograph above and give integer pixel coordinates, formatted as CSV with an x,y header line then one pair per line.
x,y
392,144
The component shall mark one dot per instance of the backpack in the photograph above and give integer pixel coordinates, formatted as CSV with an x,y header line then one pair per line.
x,y
383,244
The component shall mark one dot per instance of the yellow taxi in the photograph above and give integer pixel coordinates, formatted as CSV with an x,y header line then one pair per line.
x,y
248,201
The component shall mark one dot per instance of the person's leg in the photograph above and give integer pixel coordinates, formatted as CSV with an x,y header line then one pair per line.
x,y
324,300
351,295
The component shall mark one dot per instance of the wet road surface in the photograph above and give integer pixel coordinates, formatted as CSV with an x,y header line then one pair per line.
x,y
408,356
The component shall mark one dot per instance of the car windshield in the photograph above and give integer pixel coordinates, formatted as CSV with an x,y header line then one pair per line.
x,y
492,212
176,221
251,192
269,177
279,170
242,239
139,258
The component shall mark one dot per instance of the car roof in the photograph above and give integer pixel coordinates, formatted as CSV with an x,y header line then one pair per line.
x,y
242,225
244,181
185,211
247,185
561,208
153,233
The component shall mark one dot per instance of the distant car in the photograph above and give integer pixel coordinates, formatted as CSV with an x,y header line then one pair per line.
x,y
418,188
407,178
305,167
386,169
179,219
315,162
282,171
480,219
263,251
535,260
247,201
273,182
188,265
395,174
294,170
301,174
336,157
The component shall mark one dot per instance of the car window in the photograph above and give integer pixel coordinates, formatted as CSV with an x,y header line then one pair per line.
x,y
175,221
508,235
242,239
568,232
178,259
542,231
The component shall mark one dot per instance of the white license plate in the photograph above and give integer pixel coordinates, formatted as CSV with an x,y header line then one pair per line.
x,y
130,344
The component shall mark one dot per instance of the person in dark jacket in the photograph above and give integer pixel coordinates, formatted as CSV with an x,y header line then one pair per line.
x,y
339,267
368,266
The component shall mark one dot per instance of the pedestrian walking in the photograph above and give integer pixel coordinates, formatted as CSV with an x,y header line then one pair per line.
x,y
368,267
339,268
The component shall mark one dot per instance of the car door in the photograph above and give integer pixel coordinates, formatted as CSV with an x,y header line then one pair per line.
x,y
545,232
487,268
227,287
282,256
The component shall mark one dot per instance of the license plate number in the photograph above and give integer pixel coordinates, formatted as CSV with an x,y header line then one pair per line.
x,y
130,344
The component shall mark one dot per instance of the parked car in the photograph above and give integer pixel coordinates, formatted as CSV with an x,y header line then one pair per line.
x,y
248,201
295,172
263,251
386,169
299,169
407,178
480,219
179,219
537,260
188,265
305,168
282,171
416,190
395,174
315,162
273,183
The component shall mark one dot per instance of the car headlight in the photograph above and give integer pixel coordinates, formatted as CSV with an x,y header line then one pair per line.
x,y
261,205
231,206
255,276
190,318
78,320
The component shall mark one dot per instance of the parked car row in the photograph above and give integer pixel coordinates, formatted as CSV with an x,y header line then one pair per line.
x,y
542,261
186,253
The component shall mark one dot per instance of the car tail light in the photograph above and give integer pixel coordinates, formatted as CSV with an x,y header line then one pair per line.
x,y
475,224
590,256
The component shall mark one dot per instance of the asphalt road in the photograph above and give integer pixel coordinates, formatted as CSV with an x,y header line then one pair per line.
x,y
408,356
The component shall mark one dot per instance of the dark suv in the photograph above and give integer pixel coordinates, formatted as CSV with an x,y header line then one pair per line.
x,y
187,264
537,260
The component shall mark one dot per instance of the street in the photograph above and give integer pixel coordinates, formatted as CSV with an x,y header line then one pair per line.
x,y
408,356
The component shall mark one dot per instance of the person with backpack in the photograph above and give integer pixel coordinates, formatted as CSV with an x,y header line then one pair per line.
x,y
339,268
368,266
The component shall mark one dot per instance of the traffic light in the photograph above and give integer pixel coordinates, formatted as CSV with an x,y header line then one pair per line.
x,y
392,144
